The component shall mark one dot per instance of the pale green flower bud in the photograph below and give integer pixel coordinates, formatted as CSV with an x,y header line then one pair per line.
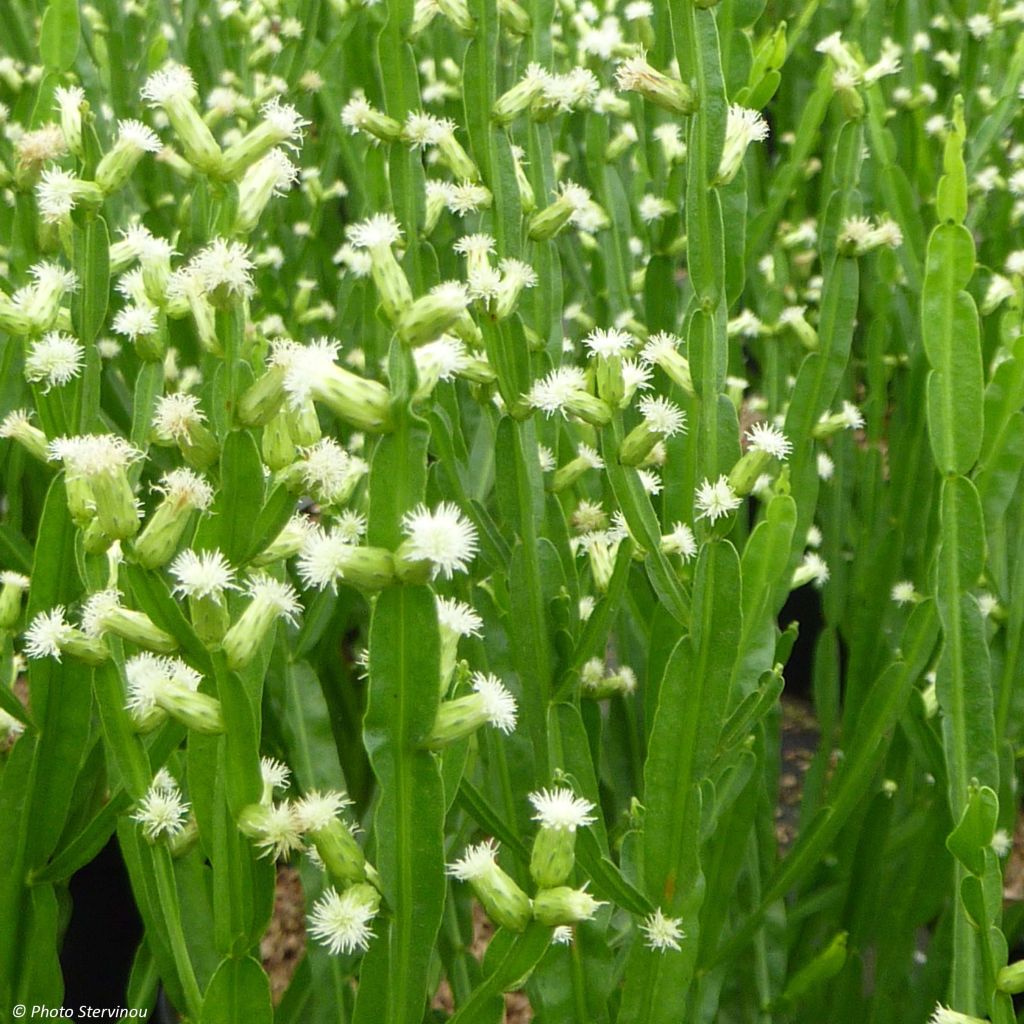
x,y
318,815
178,420
505,903
281,125
431,315
514,18
514,101
743,126
571,202
104,613
273,175
134,140
560,813
565,476
359,116
1011,978
848,418
13,586
563,905
490,703
271,600
377,235
183,492
457,12
662,419
288,542
173,89
279,450
527,200
18,427
636,75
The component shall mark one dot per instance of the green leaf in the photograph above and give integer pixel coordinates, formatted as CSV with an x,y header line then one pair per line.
x,y
238,993
59,34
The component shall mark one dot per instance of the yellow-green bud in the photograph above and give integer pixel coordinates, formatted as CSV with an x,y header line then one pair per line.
x,y
564,905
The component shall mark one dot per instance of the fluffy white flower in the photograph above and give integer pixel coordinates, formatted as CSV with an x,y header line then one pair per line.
x,y
552,392
663,416
662,933
716,500
46,633
54,360
561,809
170,83
316,810
135,321
223,265
342,922
609,343
444,537
202,573
763,437
162,811
476,862
184,488
458,617
381,229
139,136
176,415
499,704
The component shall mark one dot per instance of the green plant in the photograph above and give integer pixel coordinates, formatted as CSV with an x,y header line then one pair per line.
x,y
418,416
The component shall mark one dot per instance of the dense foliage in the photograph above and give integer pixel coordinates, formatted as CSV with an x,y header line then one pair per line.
x,y
416,417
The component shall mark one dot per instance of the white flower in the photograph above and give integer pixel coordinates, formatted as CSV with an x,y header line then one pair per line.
x,y
139,136
286,121
562,935
650,481
476,862
552,392
342,922
980,26
278,831
275,773
652,208
561,809
330,471
380,230
813,569
518,274
172,82
162,811
151,678
55,359
1001,842
1015,262
903,592
826,467
444,537
663,416
87,455
680,541
466,197
458,617
499,704
851,416
763,437
609,343
185,488
46,633
202,574
277,595
223,265
945,1015
135,321
716,500
478,244
663,933
176,415
57,194
316,810
422,130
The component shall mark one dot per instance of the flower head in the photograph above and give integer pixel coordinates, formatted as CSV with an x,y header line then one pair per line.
x,y
663,416
765,438
341,922
184,488
444,537
162,811
553,392
379,230
476,862
458,617
46,633
170,83
223,266
663,933
499,704
561,809
202,573
316,810
55,360
716,500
